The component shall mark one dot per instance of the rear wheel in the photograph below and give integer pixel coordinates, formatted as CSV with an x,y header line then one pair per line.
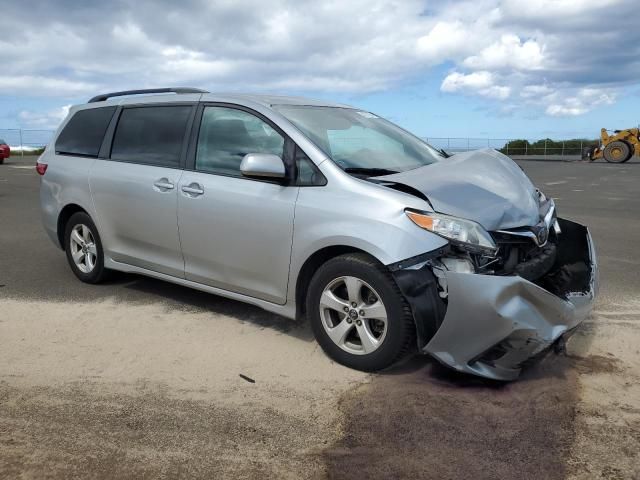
x,y
617,152
357,313
84,249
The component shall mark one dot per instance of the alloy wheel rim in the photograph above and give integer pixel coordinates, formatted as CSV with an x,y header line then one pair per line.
x,y
83,248
353,315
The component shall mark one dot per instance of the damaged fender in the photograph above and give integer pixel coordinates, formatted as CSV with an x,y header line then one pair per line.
x,y
493,324
420,289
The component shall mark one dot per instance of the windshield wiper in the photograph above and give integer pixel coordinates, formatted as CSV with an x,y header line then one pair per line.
x,y
370,172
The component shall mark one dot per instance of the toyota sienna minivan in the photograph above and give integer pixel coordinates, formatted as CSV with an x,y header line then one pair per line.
x,y
318,210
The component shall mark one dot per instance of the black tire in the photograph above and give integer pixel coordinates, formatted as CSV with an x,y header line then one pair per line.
x,y
98,273
400,328
587,153
617,152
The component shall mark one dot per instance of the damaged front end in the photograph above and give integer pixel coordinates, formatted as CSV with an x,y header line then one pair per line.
x,y
488,314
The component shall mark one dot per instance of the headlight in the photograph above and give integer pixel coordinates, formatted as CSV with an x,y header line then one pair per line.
x,y
541,196
458,230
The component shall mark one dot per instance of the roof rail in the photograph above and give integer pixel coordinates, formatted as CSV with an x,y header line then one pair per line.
x,y
105,96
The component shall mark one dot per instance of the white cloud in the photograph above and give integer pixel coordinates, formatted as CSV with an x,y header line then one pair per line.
x,y
37,85
541,54
508,53
444,40
585,100
556,9
479,83
456,81
535,91
44,120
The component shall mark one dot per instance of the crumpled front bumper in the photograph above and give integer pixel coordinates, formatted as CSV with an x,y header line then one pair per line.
x,y
493,324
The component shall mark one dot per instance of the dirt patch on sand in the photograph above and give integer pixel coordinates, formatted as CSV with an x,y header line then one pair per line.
x,y
593,364
423,421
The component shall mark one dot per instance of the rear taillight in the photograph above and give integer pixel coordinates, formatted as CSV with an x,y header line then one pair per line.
x,y
41,168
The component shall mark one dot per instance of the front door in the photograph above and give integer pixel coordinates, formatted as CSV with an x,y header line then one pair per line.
x,y
236,233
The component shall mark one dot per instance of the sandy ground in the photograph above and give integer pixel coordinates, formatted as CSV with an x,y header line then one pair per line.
x,y
607,443
142,371
139,378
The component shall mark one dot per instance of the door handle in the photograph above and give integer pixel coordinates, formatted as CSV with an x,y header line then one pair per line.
x,y
193,189
163,184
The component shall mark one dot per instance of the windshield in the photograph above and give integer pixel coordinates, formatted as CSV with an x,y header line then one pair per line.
x,y
361,142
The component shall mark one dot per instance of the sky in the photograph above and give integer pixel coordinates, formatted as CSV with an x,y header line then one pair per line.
x,y
482,69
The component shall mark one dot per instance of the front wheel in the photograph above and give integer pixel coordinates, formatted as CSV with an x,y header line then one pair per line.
x,y
84,249
357,313
617,152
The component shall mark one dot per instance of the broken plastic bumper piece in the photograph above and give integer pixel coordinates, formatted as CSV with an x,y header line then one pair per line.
x,y
493,324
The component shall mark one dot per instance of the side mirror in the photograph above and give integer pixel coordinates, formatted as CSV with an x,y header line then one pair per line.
x,y
262,165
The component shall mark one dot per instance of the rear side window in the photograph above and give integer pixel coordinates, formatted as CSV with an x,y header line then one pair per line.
x,y
151,135
83,134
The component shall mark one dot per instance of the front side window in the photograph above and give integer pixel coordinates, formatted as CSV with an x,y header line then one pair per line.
x,y
151,135
360,142
84,132
227,135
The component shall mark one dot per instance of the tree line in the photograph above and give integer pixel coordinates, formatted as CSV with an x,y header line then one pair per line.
x,y
547,146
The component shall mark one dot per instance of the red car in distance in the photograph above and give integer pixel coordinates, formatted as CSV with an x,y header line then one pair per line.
x,y
5,151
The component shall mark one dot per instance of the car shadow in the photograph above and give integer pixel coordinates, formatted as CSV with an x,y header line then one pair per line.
x,y
189,300
431,370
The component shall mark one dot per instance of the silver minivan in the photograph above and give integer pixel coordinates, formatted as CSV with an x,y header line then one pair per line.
x,y
310,209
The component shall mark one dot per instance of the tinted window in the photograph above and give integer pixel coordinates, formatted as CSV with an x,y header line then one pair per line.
x,y
151,135
83,134
227,135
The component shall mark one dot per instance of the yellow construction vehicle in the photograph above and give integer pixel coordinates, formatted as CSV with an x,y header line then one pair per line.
x,y
617,148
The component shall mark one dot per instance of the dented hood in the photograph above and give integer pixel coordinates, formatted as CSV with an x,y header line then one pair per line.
x,y
483,185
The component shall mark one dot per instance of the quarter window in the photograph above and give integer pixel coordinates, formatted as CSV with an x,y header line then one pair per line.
x,y
228,134
307,173
84,132
151,135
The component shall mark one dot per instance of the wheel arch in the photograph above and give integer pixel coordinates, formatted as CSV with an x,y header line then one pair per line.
x,y
63,218
633,150
311,265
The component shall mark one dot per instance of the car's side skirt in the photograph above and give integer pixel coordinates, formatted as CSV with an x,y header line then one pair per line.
x,y
287,310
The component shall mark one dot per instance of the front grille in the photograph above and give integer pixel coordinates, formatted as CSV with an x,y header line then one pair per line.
x,y
539,264
521,255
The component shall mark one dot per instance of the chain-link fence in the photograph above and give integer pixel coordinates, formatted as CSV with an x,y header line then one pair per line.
x,y
539,148
25,142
